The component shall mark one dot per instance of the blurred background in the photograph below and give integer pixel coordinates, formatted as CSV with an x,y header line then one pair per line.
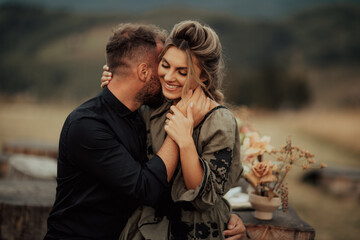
x,y
292,68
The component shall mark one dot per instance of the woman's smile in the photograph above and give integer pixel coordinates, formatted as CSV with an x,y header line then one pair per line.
x,y
173,71
171,87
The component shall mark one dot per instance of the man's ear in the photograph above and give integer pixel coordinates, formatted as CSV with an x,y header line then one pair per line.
x,y
144,72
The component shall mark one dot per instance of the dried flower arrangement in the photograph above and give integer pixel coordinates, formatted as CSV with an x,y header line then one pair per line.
x,y
267,176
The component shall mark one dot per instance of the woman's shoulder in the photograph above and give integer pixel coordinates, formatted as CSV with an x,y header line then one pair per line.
x,y
219,115
219,125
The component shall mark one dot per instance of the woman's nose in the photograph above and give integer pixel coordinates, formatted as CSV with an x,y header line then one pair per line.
x,y
168,76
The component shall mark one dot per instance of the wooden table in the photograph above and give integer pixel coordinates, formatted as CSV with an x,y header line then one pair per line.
x,y
284,225
24,208
25,205
30,147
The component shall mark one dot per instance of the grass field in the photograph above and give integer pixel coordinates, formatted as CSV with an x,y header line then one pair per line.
x,y
332,136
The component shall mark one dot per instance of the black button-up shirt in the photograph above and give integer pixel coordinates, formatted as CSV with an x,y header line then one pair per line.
x,y
103,171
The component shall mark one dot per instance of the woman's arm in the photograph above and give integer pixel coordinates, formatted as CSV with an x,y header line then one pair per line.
x,y
180,129
218,145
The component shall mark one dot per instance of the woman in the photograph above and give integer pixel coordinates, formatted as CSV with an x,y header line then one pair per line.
x,y
209,153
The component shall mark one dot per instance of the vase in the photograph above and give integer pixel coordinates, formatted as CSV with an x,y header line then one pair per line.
x,y
264,207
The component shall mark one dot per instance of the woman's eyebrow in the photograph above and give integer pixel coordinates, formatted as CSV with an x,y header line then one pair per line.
x,y
178,68
164,59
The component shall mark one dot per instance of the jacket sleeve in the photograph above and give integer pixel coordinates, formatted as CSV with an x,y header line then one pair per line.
x,y
219,155
94,149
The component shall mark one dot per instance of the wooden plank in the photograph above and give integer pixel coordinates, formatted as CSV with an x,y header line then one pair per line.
x,y
340,181
24,208
30,147
4,165
284,225
32,167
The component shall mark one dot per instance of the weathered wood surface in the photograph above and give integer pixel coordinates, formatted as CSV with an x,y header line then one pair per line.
x,y
25,205
339,181
24,208
32,167
284,225
4,165
20,166
30,147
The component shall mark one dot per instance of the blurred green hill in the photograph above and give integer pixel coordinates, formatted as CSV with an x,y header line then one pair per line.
x,y
248,8
309,58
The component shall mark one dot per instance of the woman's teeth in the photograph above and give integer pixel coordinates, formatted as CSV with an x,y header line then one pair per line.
x,y
171,86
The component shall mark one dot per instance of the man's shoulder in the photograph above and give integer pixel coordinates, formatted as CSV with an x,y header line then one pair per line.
x,y
90,109
86,115
86,122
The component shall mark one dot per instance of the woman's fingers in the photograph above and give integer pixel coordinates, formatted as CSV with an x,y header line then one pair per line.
x,y
183,103
104,78
105,68
106,74
103,84
175,110
169,115
104,81
168,127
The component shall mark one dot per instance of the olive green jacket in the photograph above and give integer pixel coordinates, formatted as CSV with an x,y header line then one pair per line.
x,y
218,145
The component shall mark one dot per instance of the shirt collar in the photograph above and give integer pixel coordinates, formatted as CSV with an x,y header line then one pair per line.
x,y
115,104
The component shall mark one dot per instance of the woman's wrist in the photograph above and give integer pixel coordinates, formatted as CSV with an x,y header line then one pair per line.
x,y
186,143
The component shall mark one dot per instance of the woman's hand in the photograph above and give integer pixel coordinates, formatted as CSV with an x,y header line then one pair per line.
x,y
179,127
106,76
201,104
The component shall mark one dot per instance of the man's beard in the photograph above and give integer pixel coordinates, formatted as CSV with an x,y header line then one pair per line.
x,y
151,93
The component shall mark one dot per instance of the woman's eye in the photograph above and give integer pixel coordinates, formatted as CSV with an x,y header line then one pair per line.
x,y
183,73
164,65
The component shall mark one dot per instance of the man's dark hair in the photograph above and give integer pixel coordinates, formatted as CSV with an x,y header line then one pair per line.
x,y
132,42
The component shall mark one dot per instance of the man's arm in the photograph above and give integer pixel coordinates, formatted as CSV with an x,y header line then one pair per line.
x,y
93,148
169,153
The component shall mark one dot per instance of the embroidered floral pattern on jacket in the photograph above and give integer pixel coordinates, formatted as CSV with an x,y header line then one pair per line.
x,y
222,164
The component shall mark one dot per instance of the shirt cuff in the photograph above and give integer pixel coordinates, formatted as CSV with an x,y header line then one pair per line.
x,y
157,166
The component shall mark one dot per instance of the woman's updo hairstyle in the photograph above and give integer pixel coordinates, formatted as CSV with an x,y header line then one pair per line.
x,y
202,43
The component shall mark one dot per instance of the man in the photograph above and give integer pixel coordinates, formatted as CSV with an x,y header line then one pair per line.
x,y
103,170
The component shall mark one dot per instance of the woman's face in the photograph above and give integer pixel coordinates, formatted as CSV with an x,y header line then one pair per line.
x,y
173,70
